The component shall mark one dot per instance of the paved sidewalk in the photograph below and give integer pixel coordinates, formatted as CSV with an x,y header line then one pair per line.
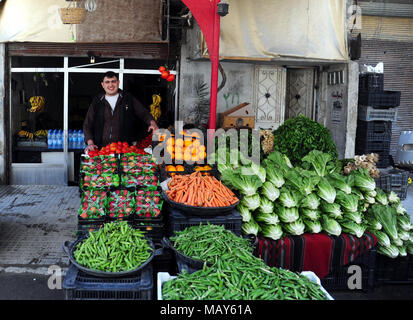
x,y
34,223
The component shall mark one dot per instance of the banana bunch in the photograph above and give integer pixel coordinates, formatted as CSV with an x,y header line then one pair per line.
x,y
41,133
25,134
37,103
155,106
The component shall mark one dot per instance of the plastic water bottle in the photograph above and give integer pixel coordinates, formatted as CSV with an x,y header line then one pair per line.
x,y
49,138
80,139
53,139
69,139
59,139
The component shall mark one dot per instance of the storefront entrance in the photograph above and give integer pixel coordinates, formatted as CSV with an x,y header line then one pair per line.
x,y
61,89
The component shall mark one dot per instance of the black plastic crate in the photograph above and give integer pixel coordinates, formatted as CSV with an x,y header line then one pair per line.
x,y
338,279
154,229
383,99
364,147
371,82
81,286
394,270
373,130
85,228
394,180
178,221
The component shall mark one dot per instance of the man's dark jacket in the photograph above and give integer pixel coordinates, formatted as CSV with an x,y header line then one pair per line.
x,y
128,123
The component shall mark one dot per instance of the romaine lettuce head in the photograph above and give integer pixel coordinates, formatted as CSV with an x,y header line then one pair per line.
x,y
266,218
393,197
247,185
381,197
351,227
251,202
266,206
254,170
289,197
333,210
270,191
244,212
275,176
319,162
382,238
387,217
403,223
272,231
295,228
404,235
309,214
250,227
348,202
311,201
312,226
390,251
363,180
400,209
330,225
339,182
287,215
403,250
326,191
356,217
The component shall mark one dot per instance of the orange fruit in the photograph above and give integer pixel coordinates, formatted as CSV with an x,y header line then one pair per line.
x,y
180,168
179,143
170,149
196,143
202,148
170,141
187,157
179,156
194,158
187,143
202,155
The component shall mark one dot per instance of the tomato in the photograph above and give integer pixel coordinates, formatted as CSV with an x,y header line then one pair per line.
x,y
165,74
170,78
118,151
162,69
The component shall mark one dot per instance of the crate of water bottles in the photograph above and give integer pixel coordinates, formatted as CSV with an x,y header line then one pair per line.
x,y
55,139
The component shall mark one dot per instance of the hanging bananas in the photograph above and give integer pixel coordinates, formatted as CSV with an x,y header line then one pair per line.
x,y
25,134
155,106
37,103
41,133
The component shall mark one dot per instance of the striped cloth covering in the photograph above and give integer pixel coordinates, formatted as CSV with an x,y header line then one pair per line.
x,y
320,253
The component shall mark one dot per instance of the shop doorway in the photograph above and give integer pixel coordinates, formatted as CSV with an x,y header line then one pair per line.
x,y
68,86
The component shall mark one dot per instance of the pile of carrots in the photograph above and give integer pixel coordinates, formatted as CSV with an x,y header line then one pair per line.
x,y
198,190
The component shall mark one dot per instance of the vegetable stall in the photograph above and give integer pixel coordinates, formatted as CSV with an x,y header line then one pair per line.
x,y
225,230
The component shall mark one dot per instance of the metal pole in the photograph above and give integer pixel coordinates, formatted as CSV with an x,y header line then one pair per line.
x,y
66,112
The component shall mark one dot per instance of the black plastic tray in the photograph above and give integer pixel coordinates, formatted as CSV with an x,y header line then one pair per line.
x,y
199,211
69,247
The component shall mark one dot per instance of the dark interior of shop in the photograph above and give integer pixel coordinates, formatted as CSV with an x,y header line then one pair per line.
x,y
82,88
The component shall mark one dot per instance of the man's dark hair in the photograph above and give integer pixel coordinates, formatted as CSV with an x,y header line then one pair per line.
x,y
110,74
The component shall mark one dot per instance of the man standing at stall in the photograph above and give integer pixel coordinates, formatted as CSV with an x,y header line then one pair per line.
x,y
115,116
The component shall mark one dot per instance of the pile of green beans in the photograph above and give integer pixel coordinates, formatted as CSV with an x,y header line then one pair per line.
x,y
241,279
208,242
238,275
116,247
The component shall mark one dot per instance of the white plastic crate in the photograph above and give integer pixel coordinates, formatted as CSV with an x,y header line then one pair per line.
x,y
165,276
368,113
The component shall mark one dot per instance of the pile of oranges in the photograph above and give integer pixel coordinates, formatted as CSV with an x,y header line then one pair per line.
x,y
188,148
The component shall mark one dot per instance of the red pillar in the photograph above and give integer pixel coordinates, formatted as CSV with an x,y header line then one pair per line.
x,y
205,13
